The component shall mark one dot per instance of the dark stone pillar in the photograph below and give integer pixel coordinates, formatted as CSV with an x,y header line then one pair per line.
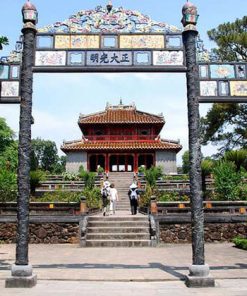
x,y
199,272
21,271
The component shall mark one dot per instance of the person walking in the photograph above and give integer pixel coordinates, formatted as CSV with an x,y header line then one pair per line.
x,y
113,199
105,194
133,194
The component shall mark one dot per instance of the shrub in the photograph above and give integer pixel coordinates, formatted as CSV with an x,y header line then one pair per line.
x,y
240,243
70,176
59,196
172,196
153,174
88,178
35,178
145,198
93,197
8,186
227,181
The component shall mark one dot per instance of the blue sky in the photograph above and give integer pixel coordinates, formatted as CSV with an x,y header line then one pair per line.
x,y
58,99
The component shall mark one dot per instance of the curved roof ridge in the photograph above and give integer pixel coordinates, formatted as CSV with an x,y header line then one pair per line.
x,y
121,114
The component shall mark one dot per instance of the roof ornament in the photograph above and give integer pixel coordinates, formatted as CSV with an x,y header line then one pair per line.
x,y
121,102
109,6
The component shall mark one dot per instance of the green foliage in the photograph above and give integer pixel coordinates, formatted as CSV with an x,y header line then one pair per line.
x,y
59,196
9,157
239,157
172,196
100,170
145,198
8,186
88,178
35,178
6,135
70,176
186,162
227,181
207,166
180,177
141,169
3,41
43,155
240,242
231,39
59,167
93,197
153,174
225,125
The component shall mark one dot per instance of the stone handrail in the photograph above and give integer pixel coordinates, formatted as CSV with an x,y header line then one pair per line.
x,y
83,231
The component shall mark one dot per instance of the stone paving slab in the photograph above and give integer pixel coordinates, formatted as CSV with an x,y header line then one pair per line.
x,y
165,263
74,288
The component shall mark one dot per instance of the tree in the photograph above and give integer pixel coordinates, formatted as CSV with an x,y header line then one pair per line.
x,y
43,155
6,135
238,157
226,124
8,162
186,162
3,41
231,39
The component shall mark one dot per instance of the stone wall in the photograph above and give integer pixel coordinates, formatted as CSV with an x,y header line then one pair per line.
x,y
46,233
167,160
214,232
74,160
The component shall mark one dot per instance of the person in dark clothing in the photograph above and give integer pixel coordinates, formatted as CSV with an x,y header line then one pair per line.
x,y
133,194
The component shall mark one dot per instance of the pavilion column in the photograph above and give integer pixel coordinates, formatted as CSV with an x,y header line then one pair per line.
x,y
107,163
199,271
136,162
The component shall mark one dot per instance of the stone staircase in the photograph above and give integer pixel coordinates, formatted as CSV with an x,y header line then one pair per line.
x,y
122,181
117,231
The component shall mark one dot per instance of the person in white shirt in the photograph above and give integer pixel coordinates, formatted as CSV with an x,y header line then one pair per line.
x,y
113,199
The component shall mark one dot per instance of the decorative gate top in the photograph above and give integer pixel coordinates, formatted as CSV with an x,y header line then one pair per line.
x,y
118,20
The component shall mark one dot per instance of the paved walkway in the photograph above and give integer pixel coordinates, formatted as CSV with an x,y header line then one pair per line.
x,y
68,268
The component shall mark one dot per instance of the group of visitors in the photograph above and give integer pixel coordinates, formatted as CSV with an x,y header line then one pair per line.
x,y
110,197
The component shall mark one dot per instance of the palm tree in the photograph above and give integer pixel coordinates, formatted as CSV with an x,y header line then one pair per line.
x,y
239,157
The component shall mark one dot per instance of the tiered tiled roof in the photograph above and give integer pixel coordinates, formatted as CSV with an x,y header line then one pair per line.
x,y
121,145
121,114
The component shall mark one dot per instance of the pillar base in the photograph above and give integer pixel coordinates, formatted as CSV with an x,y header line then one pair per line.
x,y
21,277
199,277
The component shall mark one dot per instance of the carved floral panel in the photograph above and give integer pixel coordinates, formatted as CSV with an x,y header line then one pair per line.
x,y
50,58
208,88
163,58
10,89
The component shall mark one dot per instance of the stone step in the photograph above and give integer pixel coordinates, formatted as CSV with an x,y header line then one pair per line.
x,y
117,230
119,219
117,236
118,243
118,224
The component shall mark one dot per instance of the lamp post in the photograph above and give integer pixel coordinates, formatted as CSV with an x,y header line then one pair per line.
x,y
21,271
199,271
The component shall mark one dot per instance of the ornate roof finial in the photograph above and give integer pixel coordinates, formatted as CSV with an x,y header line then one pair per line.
x,y
109,6
190,16
121,102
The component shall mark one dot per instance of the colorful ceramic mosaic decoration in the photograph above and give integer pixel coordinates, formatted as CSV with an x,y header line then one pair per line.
x,y
238,88
119,20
